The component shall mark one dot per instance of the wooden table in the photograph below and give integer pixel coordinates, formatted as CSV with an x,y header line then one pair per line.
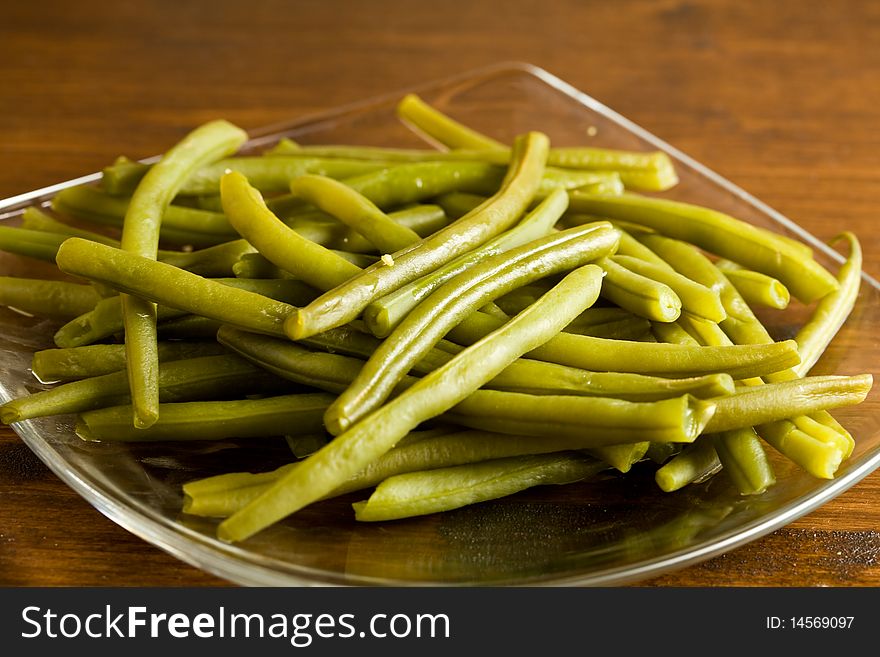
x,y
780,97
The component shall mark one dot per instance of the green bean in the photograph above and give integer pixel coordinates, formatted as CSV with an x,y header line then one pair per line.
x,y
209,420
54,299
121,177
755,288
458,204
460,296
254,265
493,217
384,314
279,244
756,405
421,493
437,392
140,236
438,126
180,225
223,495
334,373
268,174
817,457
35,219
303,446
173,287
696,299
638,294
831,311
355,210
673,333
629,328
180,380
696,462
718,233
744,460
598,354
105,319
649,171
323,229
188,327
30,243
595,421
52,365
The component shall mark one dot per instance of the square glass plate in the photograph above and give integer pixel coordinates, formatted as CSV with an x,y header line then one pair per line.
x,y
615,530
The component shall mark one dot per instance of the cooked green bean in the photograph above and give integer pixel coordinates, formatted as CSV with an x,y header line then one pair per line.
x,y
323,229
209,377
105,319
695,463
210,420
718,233
638,294
268,174
353,209
458,204
188,327
443,489
744,460
459,297
437,392
223,495
173,287
212,262
140,236
384,314
598,354
30,243
180,225
55,299
756,405
755,288
438,126
51,365
595,421
279,244
831,311
492,218
35,219
254,265
648,171
696,299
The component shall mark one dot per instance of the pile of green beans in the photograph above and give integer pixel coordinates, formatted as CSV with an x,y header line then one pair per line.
x,y
445,326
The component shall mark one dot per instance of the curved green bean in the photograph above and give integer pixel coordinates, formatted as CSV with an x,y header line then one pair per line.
x,y
831,311
442,489
459,297
278,243
140,236
384,314
493,217
718,233
353,209
437,392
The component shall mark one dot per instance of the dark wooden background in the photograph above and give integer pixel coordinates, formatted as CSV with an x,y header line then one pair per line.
x,y
781,97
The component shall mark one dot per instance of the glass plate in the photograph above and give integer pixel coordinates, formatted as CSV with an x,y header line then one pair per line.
x,y
616,530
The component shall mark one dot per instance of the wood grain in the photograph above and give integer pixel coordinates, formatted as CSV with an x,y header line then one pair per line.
x,y
780,97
